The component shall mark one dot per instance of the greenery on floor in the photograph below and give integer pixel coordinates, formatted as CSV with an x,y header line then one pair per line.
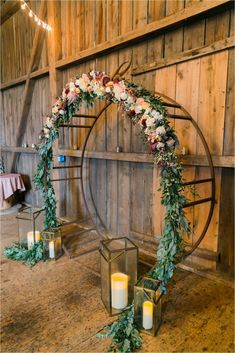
x,y
20,252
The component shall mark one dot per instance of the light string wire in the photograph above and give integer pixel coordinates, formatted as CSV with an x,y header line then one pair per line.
x,y
31,14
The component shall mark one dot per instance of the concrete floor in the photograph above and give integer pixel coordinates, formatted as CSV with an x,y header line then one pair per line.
x,y
56,307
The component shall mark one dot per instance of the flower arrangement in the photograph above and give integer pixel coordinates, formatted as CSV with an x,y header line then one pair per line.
x,y
146,110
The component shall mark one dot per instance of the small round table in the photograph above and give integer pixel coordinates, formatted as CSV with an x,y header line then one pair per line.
x,y
9,184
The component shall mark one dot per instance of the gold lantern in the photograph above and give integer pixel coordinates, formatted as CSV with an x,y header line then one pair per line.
x,y
148,305
30,224
53,242
119,259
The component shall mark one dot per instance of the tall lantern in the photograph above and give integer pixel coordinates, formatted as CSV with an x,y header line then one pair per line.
x,y
148,305
119,260
30,224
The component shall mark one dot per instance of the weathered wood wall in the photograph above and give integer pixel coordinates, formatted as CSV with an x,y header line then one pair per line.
x,y
190,59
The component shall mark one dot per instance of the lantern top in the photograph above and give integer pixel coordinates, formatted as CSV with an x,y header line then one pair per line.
x,y
110,248
51,233
148,284
117,244
28,212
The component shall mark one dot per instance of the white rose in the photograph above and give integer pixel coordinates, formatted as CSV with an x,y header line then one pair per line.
x,y
49,123
160,130
150,121
138,109
46,130
92,73
61,112
123,96
156,115
117,92
160,145
82,84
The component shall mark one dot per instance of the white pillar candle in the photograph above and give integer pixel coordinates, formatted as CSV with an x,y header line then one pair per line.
x,y
119,290
30,239
147,315
51,249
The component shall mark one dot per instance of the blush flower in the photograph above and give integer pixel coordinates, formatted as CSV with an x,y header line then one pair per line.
x,y
54,109
71,97
170,142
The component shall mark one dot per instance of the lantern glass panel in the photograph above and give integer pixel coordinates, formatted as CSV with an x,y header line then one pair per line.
x,y
30,224
53,242
119,258
148,305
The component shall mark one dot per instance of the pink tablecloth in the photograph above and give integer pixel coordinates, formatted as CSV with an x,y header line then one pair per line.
x,y
9,183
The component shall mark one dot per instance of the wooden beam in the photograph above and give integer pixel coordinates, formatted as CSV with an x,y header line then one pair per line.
x,y
18,149
29,86
188,160
197,10
19,81
186,55
8,9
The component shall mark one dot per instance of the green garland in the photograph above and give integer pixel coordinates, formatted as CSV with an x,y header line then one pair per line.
x,y
20,252
124,333
145,109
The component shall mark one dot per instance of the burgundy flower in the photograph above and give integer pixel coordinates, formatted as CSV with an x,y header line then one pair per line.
x,y
153,146
143,122
132,112
105,80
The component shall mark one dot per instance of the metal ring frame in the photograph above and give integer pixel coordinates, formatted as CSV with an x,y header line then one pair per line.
x,y
167,102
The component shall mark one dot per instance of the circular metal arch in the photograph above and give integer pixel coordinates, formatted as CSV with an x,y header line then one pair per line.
x,y
167,102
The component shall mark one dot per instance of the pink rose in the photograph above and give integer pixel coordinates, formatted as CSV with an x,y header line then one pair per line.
x,y
139,101
71,96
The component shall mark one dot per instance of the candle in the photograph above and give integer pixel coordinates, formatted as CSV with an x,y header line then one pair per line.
x,y
147,315
30,239
52,249
37,235
119,290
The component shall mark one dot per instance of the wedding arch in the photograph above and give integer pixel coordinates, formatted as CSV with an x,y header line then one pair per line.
x,y
149,111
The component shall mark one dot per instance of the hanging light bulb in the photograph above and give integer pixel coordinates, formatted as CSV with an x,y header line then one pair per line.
x,y
36,18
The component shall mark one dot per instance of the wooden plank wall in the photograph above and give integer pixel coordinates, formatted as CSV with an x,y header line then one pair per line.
x,y
125,192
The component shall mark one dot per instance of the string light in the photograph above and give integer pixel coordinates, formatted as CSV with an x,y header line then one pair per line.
x,y
39,22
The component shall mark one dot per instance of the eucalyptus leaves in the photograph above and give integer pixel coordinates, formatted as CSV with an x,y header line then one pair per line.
x,y
20,252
